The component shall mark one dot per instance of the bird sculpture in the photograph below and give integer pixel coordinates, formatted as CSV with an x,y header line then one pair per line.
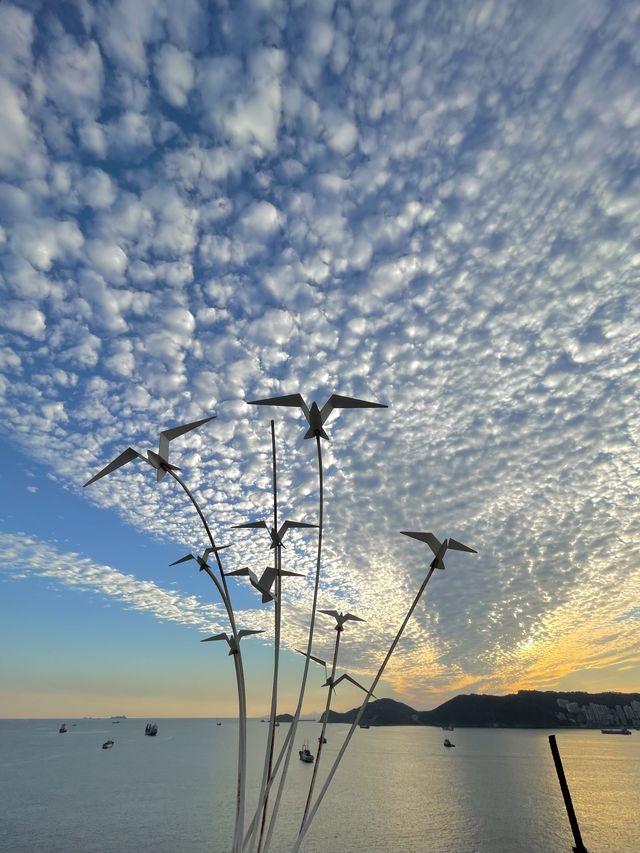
x,y
316,416
438,548
264,583
231,640
333,682
341,618
159,460
313,658
276,535
201,560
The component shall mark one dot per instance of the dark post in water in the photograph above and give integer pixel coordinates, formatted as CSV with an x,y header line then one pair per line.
x,y
573,820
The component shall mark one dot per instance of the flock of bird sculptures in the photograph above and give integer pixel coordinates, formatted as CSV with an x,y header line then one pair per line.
x,y
258,835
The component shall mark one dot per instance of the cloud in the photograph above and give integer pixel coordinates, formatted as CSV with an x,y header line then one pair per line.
x,y
442,217
24,318
175,74
74,76
16,135
22,555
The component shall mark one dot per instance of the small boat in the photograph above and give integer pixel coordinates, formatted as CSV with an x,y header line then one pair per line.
x,y
447,728
322,739
115,722
62,729
447,742
151,729
305,754
276,724
218,724
108,744
365,726
622,731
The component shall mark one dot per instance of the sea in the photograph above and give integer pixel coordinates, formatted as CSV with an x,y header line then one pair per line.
x,y
398,789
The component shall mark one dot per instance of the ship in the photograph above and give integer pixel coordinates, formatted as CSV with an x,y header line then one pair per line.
x,y
151,729
305,754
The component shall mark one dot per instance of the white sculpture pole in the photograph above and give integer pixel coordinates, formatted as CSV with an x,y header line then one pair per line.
x,y
268,758
340,618
437,563
303,683
312,812
325,716
160,462
240,682
316,419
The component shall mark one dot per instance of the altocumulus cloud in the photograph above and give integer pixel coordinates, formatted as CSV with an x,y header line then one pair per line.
x,y
22,555
432,205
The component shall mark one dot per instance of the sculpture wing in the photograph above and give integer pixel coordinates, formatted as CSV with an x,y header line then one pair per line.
x,y
349,617
267,578
429,538
266,594
126,456
336,401
458,546
286,574
239,573
294,400
215,637
352,680
287,524
311,657
251,524
168,435
182,559
333,613
245,633
213,551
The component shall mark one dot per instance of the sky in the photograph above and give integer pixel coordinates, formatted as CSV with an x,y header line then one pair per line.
x,y
431,205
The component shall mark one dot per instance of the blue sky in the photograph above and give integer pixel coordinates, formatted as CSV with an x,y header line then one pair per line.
x,y
431,205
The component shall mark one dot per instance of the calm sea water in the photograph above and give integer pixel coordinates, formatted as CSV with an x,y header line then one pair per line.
x,y
398,789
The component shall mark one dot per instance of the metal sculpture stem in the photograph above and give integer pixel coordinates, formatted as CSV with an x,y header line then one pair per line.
x,y
305,826
239,669
325,720
268,758
274,773
296,716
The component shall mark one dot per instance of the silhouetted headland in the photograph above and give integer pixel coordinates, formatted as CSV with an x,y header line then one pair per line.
x,y
526,709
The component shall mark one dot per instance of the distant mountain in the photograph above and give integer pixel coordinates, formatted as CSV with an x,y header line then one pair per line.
x,y
380,712
288,718
525,709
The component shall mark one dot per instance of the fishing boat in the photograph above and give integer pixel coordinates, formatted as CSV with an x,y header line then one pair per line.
x,y
108,744
62,729
365,726
218,724
305,754
151,729
447,742
622,731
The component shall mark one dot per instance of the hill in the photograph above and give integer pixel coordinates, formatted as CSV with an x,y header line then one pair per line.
x,y
380,712
524,709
